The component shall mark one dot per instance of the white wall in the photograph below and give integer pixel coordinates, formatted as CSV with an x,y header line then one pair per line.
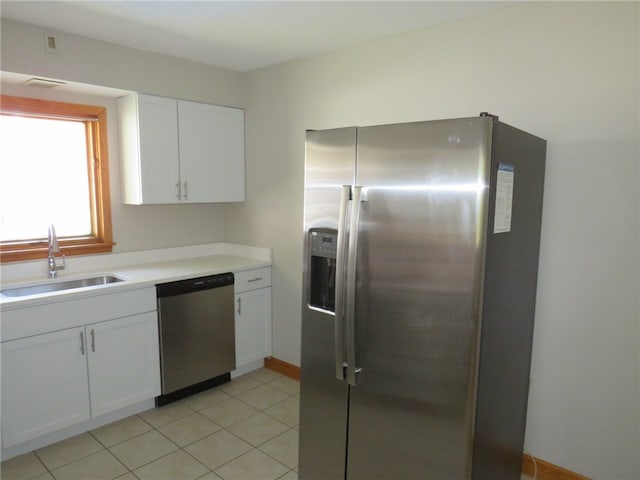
x,y
565,71
99,63
568,72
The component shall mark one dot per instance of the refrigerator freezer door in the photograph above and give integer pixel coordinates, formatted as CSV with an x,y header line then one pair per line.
x,y
419,281
330,164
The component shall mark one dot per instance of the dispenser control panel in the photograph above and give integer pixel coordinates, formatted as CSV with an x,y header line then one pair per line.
x,y
324,244
322,269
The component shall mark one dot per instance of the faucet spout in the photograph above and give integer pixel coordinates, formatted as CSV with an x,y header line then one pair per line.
x,y
54,266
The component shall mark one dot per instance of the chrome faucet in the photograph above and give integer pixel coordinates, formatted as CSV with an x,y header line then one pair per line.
x,y
54,266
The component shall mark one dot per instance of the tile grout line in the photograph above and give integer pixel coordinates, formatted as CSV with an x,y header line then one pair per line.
x,y
269,455
110,453
43,464
257,447
253,447
51,470
273,377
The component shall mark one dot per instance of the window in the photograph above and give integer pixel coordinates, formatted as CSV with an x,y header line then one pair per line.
x,y
54,169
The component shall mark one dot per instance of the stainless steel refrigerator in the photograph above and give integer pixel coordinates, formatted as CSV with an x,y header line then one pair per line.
x,y
421,246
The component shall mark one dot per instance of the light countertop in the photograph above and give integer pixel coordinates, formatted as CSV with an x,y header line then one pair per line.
x,y
138,269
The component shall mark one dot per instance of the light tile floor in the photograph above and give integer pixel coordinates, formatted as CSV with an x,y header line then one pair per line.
x,y
246,429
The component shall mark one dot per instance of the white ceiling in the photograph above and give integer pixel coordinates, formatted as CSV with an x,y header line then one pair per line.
x,y
239,35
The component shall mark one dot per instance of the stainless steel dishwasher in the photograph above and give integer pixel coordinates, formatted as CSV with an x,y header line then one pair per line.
x,y
197,335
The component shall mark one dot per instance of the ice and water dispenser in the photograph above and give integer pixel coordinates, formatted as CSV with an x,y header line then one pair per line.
x,y
322,274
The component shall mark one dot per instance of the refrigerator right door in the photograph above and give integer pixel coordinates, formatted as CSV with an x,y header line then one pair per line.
x,y
418,298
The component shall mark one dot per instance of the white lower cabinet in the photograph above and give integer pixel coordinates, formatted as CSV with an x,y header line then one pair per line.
x,y
123,362
44,385
56,380
253,315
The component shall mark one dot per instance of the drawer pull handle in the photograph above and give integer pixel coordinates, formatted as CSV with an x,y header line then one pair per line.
x,y
254,279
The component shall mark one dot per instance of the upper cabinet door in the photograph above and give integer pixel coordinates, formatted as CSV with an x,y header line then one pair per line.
x,y
211,145
158,124
149,139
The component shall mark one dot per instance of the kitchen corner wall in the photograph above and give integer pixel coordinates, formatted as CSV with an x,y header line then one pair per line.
x,y
103,64
567,72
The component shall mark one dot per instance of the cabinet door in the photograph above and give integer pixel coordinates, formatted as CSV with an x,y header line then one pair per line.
x,y
253,325
211,152
44,385
124,363
158,149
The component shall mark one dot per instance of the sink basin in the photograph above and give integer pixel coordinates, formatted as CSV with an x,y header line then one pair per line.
x,y
57,286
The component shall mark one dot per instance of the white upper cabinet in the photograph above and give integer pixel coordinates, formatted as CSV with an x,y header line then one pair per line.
x,y
149,138
175,151
211,145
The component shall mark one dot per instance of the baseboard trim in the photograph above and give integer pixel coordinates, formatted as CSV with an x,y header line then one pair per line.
x,y
287,369
547,471
542,470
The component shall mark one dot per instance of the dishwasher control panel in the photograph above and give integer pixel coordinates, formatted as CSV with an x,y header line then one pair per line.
x,y
194,284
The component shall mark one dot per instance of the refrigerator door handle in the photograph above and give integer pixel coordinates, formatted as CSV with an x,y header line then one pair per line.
x,y
358,198
340,282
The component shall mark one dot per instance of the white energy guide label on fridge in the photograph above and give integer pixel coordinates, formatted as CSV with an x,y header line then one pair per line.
x,y
504,198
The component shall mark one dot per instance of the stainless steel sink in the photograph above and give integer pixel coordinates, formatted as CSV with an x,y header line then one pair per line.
x,y
57,286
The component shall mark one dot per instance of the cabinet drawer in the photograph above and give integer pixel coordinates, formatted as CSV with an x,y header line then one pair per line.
x,y
252,279
34,320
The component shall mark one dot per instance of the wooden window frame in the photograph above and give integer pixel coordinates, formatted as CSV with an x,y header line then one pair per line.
x,y
101,239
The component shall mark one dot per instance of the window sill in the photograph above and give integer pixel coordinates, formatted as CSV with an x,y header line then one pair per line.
x,y
40,250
